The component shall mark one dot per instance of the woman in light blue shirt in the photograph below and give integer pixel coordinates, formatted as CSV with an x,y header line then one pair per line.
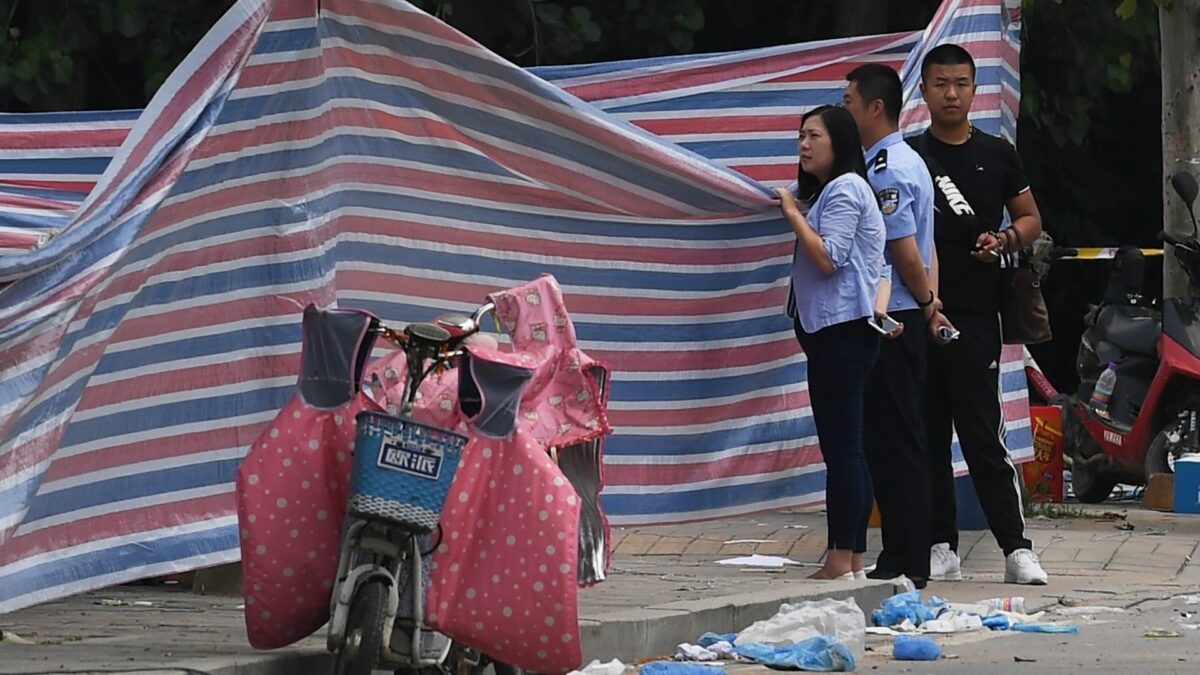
x,y
835,275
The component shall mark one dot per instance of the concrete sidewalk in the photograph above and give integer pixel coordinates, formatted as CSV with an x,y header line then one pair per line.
x,y
664,588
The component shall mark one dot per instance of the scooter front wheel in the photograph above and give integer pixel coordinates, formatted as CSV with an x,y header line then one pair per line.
x,y
1090,486
1162,453
364,630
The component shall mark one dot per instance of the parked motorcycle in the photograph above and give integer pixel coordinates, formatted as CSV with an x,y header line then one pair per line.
x,y
1151,414
376,607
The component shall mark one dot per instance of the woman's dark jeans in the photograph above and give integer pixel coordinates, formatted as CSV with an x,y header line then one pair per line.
x,y
839,359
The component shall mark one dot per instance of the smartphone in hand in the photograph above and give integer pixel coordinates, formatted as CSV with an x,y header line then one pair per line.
x,y
884,324
947,333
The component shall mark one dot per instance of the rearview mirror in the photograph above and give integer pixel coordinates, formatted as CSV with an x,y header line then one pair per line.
x,y
1185,186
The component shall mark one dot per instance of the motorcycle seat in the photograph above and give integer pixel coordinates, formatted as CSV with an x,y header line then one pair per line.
x,y
1133,329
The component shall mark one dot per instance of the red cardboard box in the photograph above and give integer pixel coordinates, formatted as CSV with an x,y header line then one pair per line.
x,y
1044,474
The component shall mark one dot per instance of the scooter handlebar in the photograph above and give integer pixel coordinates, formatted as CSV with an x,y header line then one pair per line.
x,y
1169,238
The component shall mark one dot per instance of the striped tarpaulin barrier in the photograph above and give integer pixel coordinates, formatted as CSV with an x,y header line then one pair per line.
x,y
369,155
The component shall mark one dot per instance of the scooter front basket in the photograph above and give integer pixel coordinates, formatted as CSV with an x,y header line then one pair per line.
x,y
402,470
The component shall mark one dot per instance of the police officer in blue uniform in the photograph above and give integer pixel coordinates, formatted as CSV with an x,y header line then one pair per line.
x,y
895,443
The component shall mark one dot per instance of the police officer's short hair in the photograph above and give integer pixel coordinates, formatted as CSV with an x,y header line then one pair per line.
x,y
877,81
947,55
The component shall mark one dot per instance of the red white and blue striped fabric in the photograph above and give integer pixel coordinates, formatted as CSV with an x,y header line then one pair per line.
x,y
376,158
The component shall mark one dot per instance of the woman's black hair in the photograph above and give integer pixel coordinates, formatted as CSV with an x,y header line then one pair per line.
x,y
847,149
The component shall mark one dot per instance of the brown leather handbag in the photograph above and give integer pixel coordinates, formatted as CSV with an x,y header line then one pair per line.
x,y
1023,316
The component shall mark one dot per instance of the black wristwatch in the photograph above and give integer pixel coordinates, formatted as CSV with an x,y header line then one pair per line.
x,y
923,305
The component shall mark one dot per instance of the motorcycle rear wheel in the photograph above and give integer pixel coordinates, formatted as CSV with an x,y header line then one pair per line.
x,y
364,630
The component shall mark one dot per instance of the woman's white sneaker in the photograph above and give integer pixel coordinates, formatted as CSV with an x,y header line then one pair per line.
x,y
944,564
1022,567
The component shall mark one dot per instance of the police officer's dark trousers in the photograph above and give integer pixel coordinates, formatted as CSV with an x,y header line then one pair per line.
x,y
896,448
963,388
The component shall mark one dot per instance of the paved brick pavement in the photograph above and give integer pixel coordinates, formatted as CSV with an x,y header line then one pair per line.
x,y
664,581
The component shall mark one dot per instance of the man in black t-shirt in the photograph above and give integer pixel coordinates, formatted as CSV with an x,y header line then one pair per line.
x,y
976,177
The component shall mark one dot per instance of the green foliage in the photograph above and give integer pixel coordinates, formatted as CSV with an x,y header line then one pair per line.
x,y
71,54
532,32
1083,52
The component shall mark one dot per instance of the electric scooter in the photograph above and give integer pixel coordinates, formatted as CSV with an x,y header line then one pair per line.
x,y
1151,416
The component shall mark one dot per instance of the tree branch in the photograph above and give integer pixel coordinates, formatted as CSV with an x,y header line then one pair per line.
x,y
537,47
11,13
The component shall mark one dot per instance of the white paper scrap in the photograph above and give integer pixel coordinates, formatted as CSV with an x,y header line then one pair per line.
x,y
757,560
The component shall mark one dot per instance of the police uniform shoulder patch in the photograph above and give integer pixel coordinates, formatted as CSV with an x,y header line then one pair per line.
x,y
889,200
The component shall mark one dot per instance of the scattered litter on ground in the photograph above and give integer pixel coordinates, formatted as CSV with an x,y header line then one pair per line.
x,y
901,628
1088,610
757,560
950,622
1190,626
680,668
613,667
1161,634
907,648
1152,532
907,605
997,622
1112,515
1044,628
1193,599
9,637
1127,526
710,639
794,623
714,652
822,653
1022,659
1013,604
905,613
795,527
112,602
752,541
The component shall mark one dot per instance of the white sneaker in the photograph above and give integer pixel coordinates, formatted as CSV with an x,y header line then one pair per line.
x,y
944,564
1022,567
860,575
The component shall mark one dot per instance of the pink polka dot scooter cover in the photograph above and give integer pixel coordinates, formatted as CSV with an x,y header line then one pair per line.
x,y
292,486
505,575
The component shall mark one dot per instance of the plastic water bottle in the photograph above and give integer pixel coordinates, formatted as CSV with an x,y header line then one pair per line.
x,y
1102,393
990,606
1008,604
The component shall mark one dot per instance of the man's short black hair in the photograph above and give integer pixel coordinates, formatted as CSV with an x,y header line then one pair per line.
x,y
877,81
947,55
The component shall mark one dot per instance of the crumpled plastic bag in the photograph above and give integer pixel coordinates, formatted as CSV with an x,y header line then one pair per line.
x,y
997,622
794,623
821,653
690,652
908,605
1044,628
709,639
680,668
907,648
